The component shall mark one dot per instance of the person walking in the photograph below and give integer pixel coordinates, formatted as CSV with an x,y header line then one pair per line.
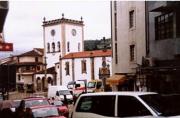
x,y
20,111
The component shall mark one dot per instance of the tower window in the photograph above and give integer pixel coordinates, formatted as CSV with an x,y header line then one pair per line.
x,y
53,47
59,46
48,47
79,45
68,46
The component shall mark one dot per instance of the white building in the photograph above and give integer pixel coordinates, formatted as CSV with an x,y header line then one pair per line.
x,y
64,50
81,66
62,36
128,36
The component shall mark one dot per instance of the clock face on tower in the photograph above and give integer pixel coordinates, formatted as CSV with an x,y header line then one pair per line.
x,y
73,32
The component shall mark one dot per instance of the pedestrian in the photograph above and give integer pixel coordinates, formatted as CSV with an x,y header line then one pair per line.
x,y
28,113
65,101
20,111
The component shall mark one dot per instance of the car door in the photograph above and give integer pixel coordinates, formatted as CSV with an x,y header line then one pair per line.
x,y
95,107
130,106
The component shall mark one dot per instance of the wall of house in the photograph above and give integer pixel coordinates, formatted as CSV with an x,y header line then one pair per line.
x,y
74,40
98,64
128,36
78,75
63,33
165,49
78,69
52,58
66,78
26,59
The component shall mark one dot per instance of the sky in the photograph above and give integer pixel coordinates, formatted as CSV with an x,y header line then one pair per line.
x,y
23,25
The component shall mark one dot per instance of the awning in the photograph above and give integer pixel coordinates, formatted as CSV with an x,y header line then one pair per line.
x,y
116,79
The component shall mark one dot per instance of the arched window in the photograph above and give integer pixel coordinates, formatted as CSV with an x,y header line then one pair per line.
x,y
59,46
53,47
48,47
79,47
68,46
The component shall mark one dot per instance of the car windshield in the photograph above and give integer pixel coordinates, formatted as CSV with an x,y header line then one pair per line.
x,y
30,103
64,92
163,105
45,112
58,103
91,85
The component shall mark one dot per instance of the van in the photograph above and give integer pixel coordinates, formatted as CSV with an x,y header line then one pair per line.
x,y
122,104
94,86
76,87
58,92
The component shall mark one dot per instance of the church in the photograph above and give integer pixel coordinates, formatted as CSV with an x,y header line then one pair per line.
x,y
64,54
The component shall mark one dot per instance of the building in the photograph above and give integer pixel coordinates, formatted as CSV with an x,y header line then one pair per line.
x,y
128,41
161,68
81,66
64,50
27,64
62,36
4,7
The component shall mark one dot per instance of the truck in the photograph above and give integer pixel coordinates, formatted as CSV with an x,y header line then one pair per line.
x,y
59,92
95,86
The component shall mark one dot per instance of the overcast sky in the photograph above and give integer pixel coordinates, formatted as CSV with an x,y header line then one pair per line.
x,y
23,25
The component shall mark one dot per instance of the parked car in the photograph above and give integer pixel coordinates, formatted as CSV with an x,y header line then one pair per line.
x,y
35,101
46,111
62,108
122,104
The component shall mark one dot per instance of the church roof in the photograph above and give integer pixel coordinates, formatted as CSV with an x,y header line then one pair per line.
x,y
88,54
62,20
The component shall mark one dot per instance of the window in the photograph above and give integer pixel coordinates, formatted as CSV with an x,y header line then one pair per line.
x,y
131,19
68,46
53,47
67,68
38,68
48,47
101,105
36,59
116,55
132,53
115,5
115,23
129,106
59,46
83,66
164,26
79,46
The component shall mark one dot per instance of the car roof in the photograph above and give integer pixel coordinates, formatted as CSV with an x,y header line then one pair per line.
x,y
34,98
129,93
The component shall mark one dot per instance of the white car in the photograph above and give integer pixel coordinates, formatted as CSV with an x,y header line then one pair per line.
x,y
123,104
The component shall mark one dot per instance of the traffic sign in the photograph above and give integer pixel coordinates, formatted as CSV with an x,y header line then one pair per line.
x,y
6,46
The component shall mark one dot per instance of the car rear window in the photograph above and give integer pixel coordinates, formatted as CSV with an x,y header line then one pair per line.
x,y
102,105
30,103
